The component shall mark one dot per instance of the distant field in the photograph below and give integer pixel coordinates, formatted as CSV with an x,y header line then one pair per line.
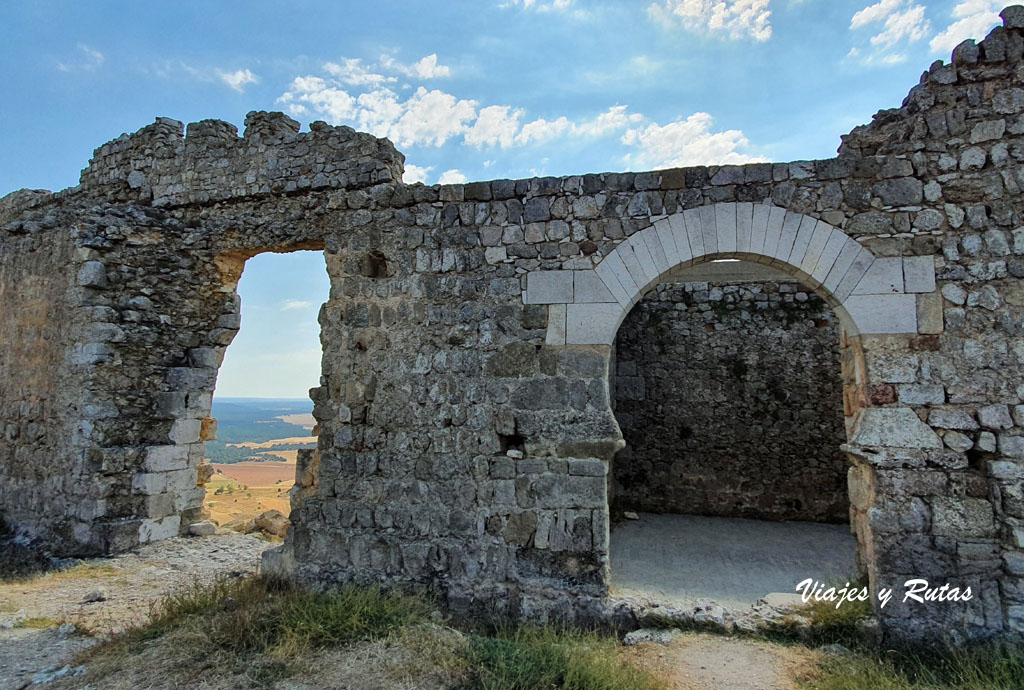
x,y
254,455
291,441
305,420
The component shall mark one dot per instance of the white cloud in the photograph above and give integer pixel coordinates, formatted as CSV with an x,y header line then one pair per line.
x,y
352,72
88,59
540,130
738,18
495,125
415,173
425,68
434,118
554,5
295,304
238,79
974,18
683,143
902,22
451,177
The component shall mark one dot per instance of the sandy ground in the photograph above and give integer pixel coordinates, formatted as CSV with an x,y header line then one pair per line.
x,y
266,488
106,595
696,661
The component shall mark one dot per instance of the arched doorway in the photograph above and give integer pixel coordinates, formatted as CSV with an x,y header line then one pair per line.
x,y
875,301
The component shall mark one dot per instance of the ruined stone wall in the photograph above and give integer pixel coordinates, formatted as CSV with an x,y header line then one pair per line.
x,y
465,423
729,398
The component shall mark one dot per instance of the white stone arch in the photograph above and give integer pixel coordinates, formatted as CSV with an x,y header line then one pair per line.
x,y
888,295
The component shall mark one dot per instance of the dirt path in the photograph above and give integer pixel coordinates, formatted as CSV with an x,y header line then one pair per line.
x,y
698,661
105,595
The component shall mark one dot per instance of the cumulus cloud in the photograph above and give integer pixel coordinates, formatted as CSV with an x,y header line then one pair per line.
x,y
238,79
425,68
451,177
432,118
736,18
295,304
415,173
351,71
86,59
974,19
901,21
684,143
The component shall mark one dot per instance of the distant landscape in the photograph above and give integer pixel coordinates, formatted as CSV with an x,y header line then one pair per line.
x,y
259,429
254,456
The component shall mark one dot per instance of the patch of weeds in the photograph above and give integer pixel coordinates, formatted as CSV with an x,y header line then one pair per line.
x,y
37,623
256,626
979,667
528,658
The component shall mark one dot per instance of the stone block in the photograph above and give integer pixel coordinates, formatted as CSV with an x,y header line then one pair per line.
x,y
773,231
185,431
709,229
725,225
159,529
921,393
93,274
881,314
208,430
802,241
618,268
694,232
549,287
759,227
919,274
589,287
850,252
960,420
653,241
668,242
166,458
884,277
556,324
592,324
837,241
995,417
587,467
894,427
815,246
744,224
644,256
1011,446
149,483
929,313
860,266
962,516
611,282
678,225
787,237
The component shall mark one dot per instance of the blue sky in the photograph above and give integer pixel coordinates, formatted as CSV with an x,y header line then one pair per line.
x,y
467,90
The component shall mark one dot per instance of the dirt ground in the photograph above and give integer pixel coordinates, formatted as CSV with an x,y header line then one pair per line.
x,y
699,661
248,489
105,595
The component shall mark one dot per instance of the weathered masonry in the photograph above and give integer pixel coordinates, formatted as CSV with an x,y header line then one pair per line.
x,y
466,431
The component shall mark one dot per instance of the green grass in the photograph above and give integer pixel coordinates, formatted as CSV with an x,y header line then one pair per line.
x,y
530,658
983,667
265,629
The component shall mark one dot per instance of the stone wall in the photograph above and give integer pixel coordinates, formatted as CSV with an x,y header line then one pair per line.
x,y
465,423
729,398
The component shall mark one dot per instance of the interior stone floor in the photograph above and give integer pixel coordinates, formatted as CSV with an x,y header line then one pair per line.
x,y
677,559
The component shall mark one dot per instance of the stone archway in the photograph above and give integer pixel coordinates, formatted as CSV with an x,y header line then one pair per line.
x,y
885,297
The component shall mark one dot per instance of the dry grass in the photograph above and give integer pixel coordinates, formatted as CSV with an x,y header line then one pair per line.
x,y
254,633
